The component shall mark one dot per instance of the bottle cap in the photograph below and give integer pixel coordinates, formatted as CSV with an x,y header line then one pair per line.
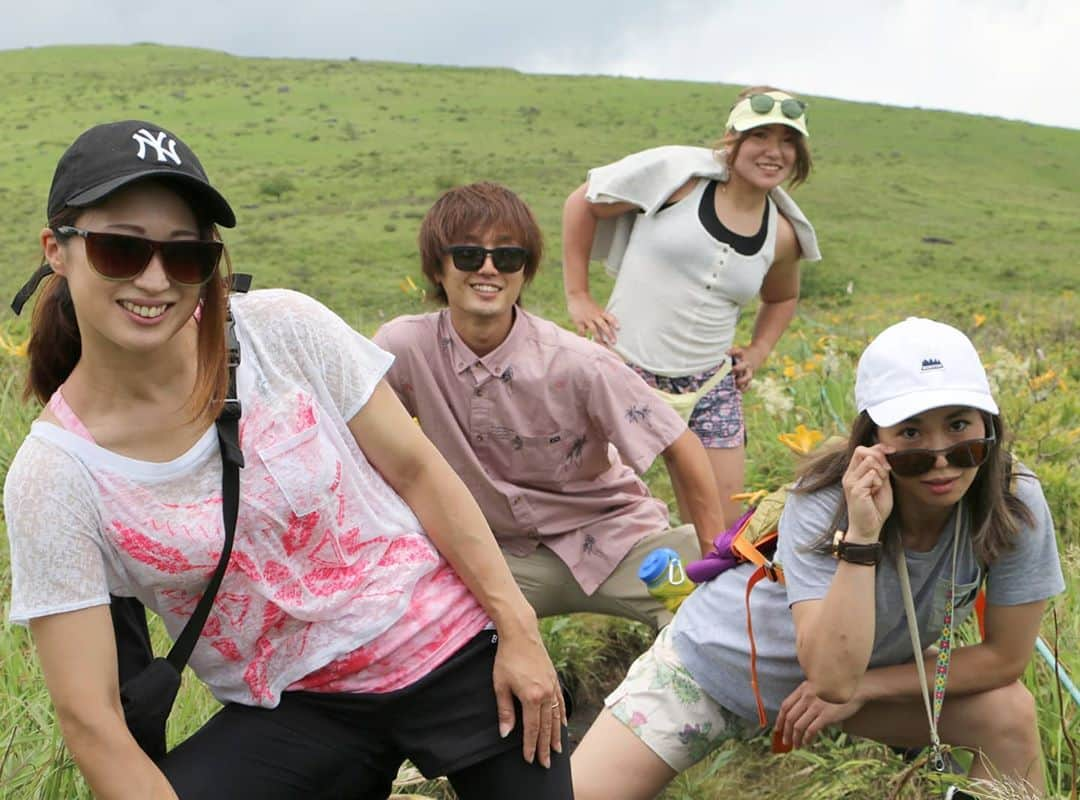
x,y
656,563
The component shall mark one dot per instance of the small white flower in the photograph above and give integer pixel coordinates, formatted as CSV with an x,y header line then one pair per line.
x,y
774,396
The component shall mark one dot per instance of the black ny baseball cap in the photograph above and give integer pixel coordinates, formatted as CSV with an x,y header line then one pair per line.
x,y
111,156
108,157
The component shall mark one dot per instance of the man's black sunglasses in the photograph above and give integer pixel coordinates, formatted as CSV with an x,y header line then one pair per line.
x,y
470,258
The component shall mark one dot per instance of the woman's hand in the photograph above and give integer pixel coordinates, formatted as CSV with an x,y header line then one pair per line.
x,y
745,361
803,715
868,493
523,670
590,319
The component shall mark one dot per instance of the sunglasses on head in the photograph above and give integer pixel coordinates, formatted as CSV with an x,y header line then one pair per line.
x,y
122,257
470,258
966,454
789,107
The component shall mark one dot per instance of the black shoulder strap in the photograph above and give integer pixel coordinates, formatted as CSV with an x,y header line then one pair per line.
x,y
232,459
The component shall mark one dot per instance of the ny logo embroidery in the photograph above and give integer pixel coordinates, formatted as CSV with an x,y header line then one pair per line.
x,y
164,151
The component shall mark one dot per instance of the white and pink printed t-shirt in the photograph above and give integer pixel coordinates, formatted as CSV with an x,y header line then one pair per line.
x,y
332,584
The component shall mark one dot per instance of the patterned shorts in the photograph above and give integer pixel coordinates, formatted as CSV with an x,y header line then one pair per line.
x,y
663,706
718,417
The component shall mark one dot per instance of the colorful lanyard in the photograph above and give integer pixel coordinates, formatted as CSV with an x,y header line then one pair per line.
x,y
944,654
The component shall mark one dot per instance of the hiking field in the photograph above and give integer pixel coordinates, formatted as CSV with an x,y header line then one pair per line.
x,y
330,165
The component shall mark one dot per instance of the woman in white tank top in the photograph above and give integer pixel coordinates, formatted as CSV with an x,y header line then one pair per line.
x,y
692,235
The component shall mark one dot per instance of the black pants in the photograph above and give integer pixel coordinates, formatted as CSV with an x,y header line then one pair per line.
x,y
349,747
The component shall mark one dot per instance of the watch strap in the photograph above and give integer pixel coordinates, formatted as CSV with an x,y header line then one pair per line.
x,y
864,554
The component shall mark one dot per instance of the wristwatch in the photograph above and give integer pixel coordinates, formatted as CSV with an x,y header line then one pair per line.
x,y
866,554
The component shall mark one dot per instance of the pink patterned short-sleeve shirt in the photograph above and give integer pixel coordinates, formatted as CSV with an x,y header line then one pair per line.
x,y
332,585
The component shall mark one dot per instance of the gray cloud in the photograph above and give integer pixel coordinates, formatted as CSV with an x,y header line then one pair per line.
x,y
1011,58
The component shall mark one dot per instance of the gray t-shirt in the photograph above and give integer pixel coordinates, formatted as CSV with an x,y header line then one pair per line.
x,y
709,632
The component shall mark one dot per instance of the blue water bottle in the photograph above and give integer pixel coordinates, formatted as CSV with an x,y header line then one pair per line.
x,y
663,573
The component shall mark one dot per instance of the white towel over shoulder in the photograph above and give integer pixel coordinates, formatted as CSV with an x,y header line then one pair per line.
x,y
647,179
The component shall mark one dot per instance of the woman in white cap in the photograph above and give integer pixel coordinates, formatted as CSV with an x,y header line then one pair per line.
x,y
691,235
923,495
364,614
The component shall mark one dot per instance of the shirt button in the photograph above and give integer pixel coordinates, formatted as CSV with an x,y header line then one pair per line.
x,y
478,391
479,437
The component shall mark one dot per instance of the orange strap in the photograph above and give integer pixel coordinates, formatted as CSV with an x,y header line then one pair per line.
x,y
980,612
758,576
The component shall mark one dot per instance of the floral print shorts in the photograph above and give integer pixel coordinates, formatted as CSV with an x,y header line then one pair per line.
x,y
717,418
664,707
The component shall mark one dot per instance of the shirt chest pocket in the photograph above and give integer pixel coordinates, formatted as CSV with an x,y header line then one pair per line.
x,y
536,457
963,599
306,467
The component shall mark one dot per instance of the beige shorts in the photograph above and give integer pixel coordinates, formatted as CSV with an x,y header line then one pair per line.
x,y
550,587
665,707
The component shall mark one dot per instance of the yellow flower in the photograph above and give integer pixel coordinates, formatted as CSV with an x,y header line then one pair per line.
x,y
789,371
979,319
407,285
802,440
810,365
12,349
1040,381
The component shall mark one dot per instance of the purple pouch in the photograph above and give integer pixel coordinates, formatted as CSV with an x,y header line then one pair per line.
x,y
720,558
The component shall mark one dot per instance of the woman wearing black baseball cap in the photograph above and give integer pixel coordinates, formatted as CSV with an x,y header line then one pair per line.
x,y
364,608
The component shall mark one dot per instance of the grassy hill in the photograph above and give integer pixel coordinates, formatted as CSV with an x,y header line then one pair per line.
x,y
331,164
368,147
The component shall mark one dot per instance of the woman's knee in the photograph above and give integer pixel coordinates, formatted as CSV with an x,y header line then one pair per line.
x,y
1006,715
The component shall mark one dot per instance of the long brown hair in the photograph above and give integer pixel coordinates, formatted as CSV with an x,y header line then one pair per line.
x,y
732,141
995,513
56,345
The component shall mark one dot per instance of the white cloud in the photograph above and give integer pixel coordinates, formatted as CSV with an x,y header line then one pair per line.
x,y
1011,58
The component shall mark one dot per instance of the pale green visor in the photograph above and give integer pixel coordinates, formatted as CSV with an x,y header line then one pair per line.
x,y
768,108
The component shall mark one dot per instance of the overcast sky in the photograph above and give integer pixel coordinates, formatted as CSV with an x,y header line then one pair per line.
x,y
1017,59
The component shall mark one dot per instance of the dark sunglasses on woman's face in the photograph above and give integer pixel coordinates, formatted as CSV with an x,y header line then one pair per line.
x,y
789,107
121,257
966,454
470,258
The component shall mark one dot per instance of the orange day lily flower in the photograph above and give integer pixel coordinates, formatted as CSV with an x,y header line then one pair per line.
x,y
1040,381
751,498
802,440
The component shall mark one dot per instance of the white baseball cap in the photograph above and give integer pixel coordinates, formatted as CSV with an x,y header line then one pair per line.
x,y
916,365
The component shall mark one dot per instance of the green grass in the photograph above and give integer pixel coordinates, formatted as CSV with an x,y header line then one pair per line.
x,y
360,150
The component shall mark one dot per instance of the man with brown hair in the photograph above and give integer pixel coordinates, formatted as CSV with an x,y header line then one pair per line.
x,y
546,428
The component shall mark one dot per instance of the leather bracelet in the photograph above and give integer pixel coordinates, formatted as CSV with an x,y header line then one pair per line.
x,y
868,555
